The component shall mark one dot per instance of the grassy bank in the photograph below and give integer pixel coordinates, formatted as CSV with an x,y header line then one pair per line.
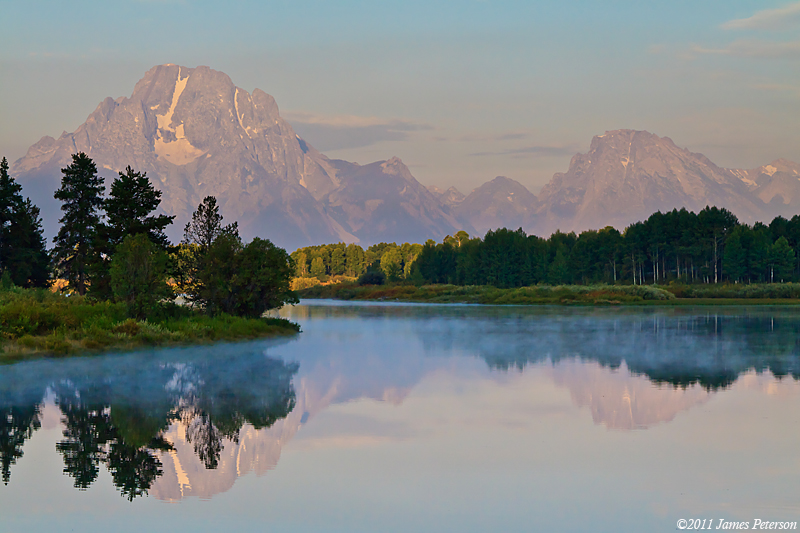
x,y
38,322
774,293
562,294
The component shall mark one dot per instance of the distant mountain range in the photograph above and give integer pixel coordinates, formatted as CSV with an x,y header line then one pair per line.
x,y
196,134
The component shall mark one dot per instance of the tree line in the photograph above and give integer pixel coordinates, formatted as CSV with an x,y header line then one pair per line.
x,y
388,261
114,247
681,246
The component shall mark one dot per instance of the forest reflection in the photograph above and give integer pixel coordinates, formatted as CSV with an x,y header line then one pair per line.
x,y
681,347
160,421
115,414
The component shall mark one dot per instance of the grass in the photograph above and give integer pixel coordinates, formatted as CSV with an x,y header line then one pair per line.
x,y
600,294
484,294
39,322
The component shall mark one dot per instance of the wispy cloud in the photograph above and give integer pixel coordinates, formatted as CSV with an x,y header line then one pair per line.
x,y
782,18
531,151
779,87
338,132
756,49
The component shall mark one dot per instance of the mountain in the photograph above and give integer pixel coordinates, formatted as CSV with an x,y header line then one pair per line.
x,y
499,203
777,185
382,201
196,134
627,175
450,197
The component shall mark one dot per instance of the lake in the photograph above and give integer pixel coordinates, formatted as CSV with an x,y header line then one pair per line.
x,y
402,417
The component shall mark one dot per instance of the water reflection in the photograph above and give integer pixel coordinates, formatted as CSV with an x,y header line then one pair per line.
x,y
116,410
178,423
677,346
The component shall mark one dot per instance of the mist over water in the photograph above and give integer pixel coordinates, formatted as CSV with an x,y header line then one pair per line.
x,y
426,417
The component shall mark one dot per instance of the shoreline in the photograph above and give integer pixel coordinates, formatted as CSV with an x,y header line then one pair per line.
x,y
564,295
62,345
39,323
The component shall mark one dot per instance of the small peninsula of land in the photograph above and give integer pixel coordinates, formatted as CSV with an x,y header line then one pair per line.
x,y
600,294
38,322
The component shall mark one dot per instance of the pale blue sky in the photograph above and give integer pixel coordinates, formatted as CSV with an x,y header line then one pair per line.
x,y
461,91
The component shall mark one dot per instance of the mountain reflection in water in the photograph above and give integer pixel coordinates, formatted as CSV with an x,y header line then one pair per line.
x,y
189,422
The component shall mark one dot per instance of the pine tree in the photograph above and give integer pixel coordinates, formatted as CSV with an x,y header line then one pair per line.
x,y
28,260
23,254
81,196
198,236
129,208
206,225
734,261
9,200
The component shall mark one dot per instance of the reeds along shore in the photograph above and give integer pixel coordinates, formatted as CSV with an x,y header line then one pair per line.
x,y
564,294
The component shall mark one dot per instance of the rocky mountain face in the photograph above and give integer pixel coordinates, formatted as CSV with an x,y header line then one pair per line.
x,y
382,201
196,134
627,175
777,185
499,203
451,197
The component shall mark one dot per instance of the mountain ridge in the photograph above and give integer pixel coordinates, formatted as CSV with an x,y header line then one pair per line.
x,y
195,133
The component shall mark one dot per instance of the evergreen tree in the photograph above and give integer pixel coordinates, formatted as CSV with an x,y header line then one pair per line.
x,y
28,260
206,225
10,198
559,269
198,236
81,196
23,254
734,261
130,206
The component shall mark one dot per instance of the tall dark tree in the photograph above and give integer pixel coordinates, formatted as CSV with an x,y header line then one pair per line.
x,y
82,203
206,225
10,198
129,209
23,253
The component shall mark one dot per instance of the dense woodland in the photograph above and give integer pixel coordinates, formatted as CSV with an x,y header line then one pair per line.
x,y
708,247
113,248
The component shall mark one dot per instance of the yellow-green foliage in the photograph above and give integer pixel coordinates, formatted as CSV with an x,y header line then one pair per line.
x,y
304,283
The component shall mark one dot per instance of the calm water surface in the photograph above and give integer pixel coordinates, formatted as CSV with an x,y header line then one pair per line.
x,y
418,418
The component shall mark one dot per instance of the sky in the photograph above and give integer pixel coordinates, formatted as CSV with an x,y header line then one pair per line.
x,y
461,91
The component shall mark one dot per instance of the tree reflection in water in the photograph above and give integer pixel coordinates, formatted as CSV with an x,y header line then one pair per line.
x,y
117,410
17,424
117,417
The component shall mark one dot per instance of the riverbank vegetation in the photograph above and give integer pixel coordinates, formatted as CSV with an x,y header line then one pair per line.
x,y
119,277
709,252
38,321
597,294
484,294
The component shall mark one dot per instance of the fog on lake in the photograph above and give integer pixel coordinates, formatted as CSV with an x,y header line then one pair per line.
x,y
398,417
